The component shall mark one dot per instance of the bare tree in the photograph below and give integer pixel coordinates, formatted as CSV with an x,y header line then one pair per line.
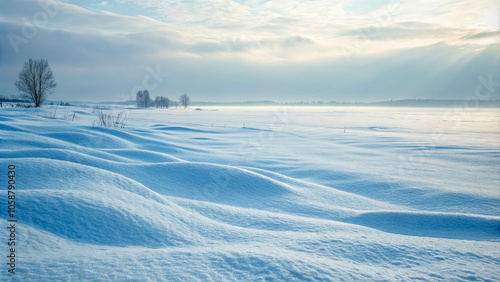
x,y
147,99
161,102
36,81
143,99
184,100
139,98
165,102
157,102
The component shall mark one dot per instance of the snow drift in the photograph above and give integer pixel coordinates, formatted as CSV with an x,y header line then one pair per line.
x,y
185,201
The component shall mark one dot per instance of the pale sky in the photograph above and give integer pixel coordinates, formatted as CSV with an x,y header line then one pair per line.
x,y
284,50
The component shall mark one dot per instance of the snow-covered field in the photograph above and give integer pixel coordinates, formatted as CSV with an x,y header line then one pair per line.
x,y
348,194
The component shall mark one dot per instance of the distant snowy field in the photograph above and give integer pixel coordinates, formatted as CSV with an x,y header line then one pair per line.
x,y
224,193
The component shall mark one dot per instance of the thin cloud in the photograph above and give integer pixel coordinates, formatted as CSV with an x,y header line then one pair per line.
x,y
405,31
482,35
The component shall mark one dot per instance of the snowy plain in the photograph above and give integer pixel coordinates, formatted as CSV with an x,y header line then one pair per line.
x,y
227,193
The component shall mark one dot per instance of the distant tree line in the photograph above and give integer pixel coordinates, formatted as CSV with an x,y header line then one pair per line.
x,y
13,100
66,104
143,100
20,103
36,82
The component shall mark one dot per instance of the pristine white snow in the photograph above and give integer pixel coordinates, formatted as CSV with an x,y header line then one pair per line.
x,y
255,194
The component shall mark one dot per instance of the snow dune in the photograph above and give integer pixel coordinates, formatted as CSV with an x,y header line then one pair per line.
x,y
439,225
174,197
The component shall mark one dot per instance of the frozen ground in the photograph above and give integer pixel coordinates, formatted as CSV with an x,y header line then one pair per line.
x,y
255,194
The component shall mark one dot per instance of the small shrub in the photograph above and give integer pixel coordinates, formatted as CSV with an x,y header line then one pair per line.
x,y
110,120
51,116
71,117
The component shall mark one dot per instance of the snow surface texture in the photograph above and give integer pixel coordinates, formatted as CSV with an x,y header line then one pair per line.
x,y
341,194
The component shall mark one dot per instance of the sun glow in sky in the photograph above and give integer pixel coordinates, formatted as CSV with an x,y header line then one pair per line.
x,y
356,50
